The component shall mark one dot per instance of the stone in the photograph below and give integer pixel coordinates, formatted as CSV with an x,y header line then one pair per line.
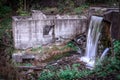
x,y
17,57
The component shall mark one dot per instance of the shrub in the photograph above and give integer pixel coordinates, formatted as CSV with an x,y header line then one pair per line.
x,y
67,74
47,75
4,11
80,9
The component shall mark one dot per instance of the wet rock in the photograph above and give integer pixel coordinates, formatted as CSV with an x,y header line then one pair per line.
x,y
30,71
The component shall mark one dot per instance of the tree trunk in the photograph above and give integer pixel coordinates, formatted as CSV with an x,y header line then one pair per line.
x,y
25,3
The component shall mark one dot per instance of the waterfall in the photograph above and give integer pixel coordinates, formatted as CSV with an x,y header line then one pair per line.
x,y
92,41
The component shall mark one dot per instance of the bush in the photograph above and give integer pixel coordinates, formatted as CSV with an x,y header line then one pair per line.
x,y
65,6
80,9
47,75
22,12
4,11
117,47
67,74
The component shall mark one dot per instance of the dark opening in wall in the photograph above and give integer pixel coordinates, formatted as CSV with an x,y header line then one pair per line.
x,y
47,29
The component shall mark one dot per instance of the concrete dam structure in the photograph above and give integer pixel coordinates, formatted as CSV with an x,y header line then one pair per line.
x,y
40,29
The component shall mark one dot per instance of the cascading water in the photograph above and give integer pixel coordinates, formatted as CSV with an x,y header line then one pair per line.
x,y
92,41
104,53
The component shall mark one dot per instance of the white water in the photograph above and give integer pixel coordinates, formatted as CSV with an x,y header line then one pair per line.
x,y
92,41
104,53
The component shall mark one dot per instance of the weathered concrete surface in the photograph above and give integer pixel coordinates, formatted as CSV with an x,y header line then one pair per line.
x,y
100,11
39,29
114,18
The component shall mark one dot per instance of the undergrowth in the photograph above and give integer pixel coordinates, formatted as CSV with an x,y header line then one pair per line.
x,y
67,73
110,66
80,9
7,69
6,38
4,11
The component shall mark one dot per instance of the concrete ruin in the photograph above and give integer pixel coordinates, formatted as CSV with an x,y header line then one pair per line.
x,y
113,17
40,29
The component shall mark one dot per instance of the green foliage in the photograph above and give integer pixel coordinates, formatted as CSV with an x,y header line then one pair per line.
x,y
5,28
4,11
72,46
69,73
49,10
102,1
117,47
56,57
51,68
46,75
28,64
21,4
104,70
113,2
72,73
21,12
36,49
65,6
111,64
6,38
80,9
75,65
118,77
6,24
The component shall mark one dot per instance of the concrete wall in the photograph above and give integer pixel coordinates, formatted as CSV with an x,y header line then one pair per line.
x,y
67,28
35,31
